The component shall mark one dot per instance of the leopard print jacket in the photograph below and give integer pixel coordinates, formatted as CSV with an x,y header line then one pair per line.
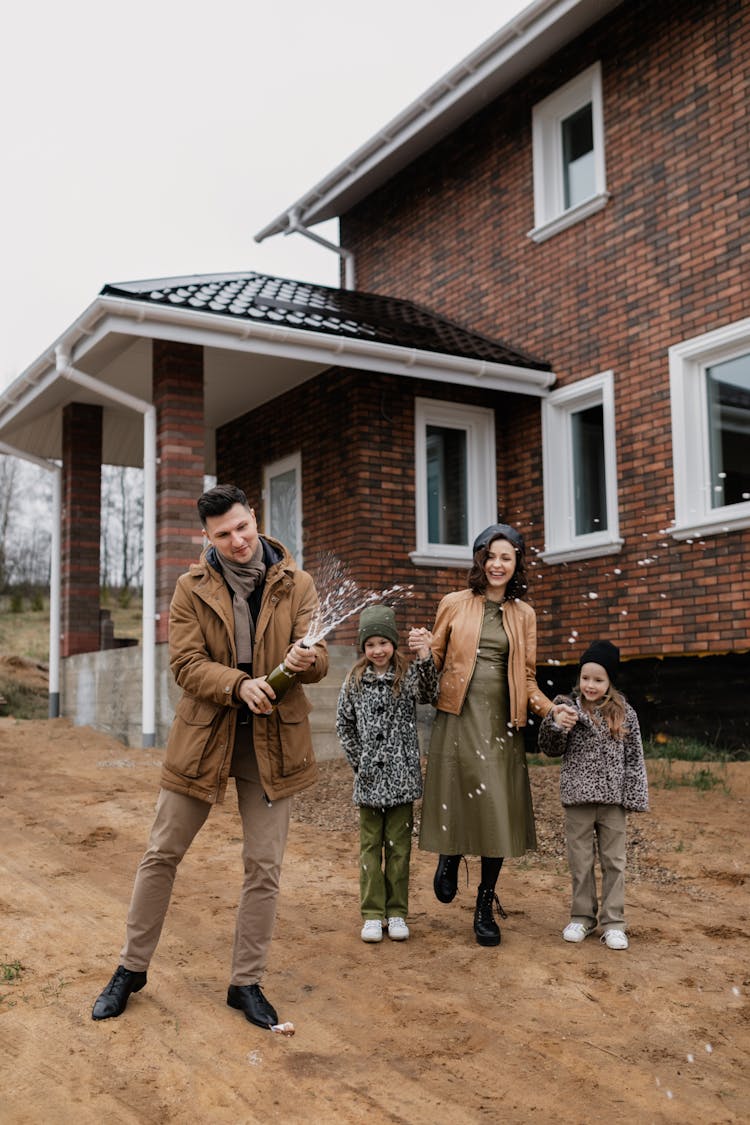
x,y
597,768
378,733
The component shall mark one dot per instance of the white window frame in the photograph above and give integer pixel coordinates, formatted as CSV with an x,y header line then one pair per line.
x,y
481,476
276,469
562,545
550,213
691,454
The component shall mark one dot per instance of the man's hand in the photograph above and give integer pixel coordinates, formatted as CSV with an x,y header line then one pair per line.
x,y
258,694
299,657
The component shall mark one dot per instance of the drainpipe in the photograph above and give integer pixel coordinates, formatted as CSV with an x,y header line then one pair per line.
x,y
148,410
54,575
294,226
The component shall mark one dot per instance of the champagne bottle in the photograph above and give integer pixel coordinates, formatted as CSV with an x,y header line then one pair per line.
x,y
281,679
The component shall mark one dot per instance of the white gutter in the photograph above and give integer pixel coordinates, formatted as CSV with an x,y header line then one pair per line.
x,y
65,369
295,227
53,686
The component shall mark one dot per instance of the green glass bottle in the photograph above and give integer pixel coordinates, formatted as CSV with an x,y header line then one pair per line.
x,y
281,679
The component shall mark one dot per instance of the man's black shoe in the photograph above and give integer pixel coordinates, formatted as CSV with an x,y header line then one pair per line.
x,y
114,1000
249,999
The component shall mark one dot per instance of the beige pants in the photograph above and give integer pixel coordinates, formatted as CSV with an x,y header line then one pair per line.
x,y
606,823
178,820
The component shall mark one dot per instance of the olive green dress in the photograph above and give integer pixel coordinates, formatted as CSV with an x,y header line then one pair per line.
x,y
477,797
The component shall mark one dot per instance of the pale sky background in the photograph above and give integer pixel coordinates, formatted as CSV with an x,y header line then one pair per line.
x,y
154,138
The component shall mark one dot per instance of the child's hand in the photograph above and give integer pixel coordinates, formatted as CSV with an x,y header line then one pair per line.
x,y
564,715
420,641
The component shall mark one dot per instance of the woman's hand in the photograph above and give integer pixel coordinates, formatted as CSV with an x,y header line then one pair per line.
x,y
420,641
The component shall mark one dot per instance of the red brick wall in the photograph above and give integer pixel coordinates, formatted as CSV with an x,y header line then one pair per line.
x,y
180,449
355,434
665,260
81,526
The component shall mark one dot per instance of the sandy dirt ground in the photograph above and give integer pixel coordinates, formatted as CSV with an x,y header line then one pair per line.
x,y
433,1030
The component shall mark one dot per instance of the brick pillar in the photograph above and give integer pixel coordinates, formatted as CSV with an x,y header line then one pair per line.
x,y
81,526
180,449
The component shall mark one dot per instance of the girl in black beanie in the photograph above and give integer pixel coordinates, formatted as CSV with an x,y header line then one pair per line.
x,y
602,776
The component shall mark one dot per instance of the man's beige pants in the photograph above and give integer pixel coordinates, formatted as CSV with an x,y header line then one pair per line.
x,y
178,820
607,823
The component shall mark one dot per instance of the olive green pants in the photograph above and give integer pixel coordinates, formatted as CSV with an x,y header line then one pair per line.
x,y
384,886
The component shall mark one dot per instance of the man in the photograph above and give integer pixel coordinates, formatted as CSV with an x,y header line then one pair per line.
x,y
236,614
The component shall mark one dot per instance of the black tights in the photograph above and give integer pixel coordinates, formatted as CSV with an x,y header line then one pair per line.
x,y
490,870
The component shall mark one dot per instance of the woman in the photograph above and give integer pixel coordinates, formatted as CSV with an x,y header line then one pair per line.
x,y
477,798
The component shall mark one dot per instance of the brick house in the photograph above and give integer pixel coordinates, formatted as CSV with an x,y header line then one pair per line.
x,y
579,186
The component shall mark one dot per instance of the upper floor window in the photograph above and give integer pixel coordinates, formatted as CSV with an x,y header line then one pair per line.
x,y
455,476
568,151
580,471
710,391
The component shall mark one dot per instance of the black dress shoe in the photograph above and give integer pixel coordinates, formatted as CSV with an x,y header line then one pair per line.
x,y
114,1000
249,999
445,883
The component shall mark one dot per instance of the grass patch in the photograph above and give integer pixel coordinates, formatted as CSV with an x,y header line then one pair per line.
x,y
23,701
10,971
705,778
690,750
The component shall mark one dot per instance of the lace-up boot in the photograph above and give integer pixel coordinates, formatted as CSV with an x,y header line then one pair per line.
x,y
485,927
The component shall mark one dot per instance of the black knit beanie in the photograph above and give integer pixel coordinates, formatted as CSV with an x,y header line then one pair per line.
x,y
604,653
377,621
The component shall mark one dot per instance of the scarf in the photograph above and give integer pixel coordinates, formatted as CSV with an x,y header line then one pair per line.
x,y
242,579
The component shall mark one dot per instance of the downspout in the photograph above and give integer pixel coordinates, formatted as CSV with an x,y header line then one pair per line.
x,y
55,572
294,226
148,410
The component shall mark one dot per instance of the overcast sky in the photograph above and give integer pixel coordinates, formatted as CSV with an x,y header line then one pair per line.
x,y
154,138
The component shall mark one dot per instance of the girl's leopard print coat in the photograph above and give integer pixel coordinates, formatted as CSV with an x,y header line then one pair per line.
x,y
597,768
378,733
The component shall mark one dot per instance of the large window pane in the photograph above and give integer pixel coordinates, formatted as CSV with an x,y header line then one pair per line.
x,y
729,430
578,157
589,480
446,485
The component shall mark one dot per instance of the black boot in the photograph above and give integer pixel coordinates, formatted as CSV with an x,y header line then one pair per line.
x,y
485,926
445,883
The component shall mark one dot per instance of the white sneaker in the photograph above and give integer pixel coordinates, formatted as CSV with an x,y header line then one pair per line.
x,y
615,939
576,931
397,929
372,930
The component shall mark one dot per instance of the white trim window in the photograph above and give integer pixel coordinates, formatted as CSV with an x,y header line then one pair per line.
x,y
581,516
709,380
570,177
455,477
282,503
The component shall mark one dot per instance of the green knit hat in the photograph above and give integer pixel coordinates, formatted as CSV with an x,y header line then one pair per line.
x,y
377,621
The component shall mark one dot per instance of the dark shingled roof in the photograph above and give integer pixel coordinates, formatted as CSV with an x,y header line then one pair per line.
x,y
317,308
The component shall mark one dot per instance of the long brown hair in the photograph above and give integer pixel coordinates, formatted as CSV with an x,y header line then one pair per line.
x,y
610,710
399,664
517,588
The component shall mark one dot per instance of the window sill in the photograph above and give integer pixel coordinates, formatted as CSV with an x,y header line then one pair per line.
x,y
443,559
568,218
588,551
713,525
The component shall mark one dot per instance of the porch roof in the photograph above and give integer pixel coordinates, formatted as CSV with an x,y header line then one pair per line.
x,y
261,337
